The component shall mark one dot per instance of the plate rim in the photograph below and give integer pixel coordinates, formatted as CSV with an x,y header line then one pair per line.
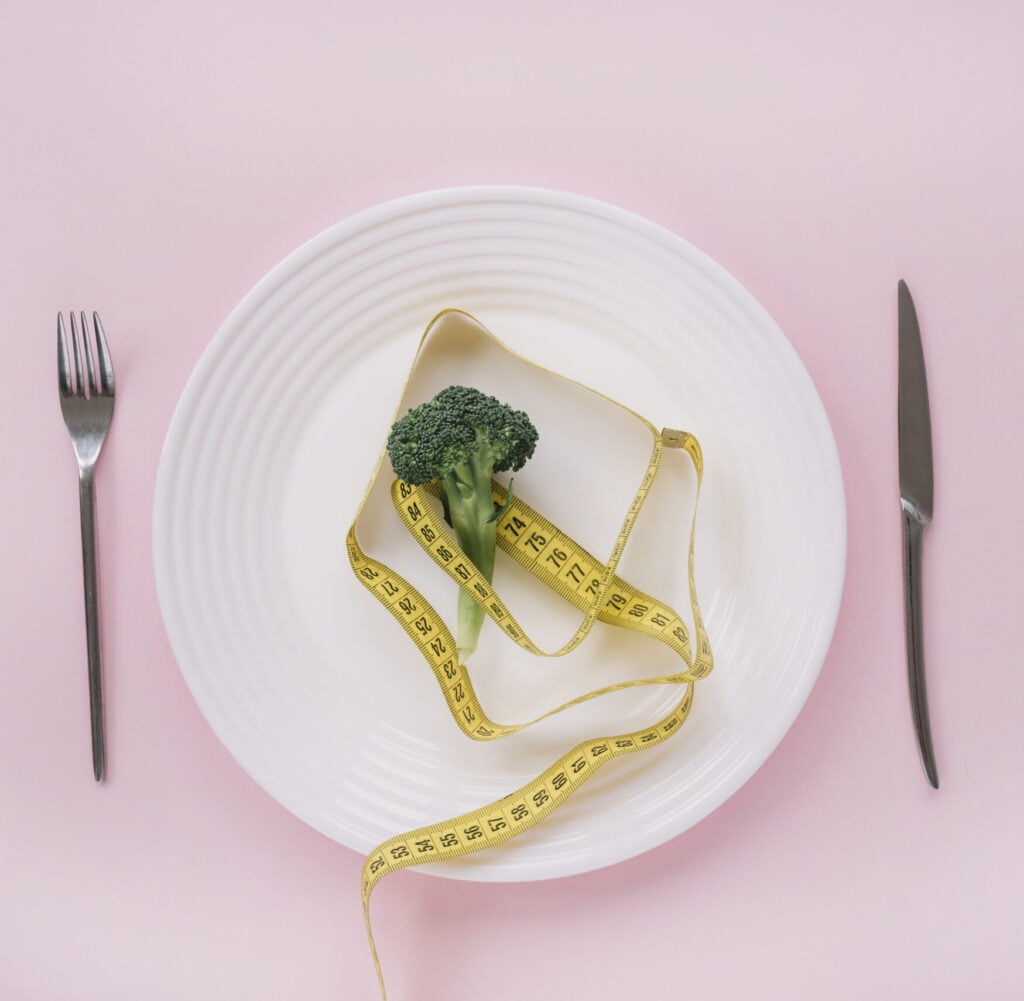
x,y
306,252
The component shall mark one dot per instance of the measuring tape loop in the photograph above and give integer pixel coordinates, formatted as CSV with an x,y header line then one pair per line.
x,y
573,574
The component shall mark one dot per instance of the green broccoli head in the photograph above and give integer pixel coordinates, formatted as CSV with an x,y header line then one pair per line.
x,y
459,426
460,438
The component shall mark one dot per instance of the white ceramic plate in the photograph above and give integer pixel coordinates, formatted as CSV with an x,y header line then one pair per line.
x,y
306,679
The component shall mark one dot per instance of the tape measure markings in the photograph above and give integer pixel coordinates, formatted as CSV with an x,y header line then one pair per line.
x,y
575,575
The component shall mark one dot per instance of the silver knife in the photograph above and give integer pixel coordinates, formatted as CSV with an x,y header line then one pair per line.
x,y
916,493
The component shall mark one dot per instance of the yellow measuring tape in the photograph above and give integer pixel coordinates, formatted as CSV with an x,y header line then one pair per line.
x,y
572,573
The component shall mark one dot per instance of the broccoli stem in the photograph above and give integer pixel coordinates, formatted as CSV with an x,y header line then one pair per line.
x,y
468,486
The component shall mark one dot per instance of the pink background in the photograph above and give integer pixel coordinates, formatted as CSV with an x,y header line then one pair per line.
x,y
160,158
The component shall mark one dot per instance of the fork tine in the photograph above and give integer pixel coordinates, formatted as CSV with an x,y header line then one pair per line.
x,y
63,370
93,391
79,387
103,356
77,355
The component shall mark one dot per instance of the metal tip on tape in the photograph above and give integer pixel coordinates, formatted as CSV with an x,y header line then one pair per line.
x,y
673,439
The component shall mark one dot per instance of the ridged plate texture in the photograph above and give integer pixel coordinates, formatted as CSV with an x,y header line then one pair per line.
x,y
306,680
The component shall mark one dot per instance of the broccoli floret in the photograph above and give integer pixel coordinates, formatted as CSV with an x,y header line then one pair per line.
x,y
460,438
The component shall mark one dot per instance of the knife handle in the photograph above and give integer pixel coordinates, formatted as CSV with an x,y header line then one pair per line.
x,y
913,537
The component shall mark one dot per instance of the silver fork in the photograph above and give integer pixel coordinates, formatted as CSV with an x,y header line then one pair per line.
x,y
88,406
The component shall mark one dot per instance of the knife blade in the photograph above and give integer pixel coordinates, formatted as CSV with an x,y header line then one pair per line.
x,y
916,499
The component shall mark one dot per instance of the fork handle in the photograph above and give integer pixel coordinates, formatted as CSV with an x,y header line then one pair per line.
x,y
86,498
